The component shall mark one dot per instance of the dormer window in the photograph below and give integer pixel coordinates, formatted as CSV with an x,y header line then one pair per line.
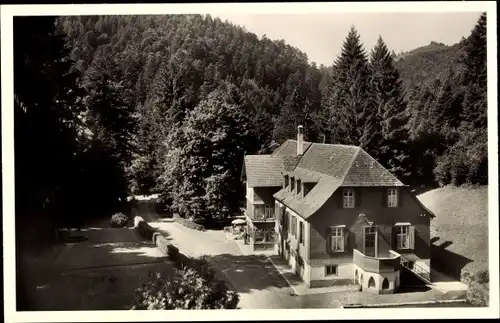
x,y
299,186
348,200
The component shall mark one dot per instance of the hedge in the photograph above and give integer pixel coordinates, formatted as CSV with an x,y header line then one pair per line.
x,y
189,224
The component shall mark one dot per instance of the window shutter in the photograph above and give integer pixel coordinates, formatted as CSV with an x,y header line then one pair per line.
x,y
328,236
412,237
401,193
357,197
341,199
346,238
384,197
394,238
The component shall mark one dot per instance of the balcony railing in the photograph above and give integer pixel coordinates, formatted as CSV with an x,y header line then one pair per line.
x,y
391,263
263,214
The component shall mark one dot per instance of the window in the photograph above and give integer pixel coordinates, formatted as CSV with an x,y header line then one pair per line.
x,y
292,184
301,232
286,181
299,186
304,190
331,270
337,239
392,197
349,198
370,234
268,211
402,237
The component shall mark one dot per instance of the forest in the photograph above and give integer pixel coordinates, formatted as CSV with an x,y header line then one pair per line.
x,y
110,106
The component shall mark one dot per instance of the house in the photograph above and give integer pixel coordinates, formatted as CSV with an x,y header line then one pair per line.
x,y
338,216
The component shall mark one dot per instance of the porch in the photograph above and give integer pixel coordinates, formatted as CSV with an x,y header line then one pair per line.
x,y
380,275
260,235
260,213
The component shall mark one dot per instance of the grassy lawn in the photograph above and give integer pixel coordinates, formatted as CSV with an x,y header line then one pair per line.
x,y
460,230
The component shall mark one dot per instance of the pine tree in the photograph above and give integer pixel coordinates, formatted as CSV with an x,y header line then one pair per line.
x,y
348,94
390,117
475,102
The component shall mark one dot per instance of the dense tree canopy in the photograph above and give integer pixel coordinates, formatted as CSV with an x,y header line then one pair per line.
x,y
121,105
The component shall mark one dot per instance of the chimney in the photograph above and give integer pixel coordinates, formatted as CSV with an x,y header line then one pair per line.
x,y
300,141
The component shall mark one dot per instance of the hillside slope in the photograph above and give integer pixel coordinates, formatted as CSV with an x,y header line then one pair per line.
x,y
425,64
460,230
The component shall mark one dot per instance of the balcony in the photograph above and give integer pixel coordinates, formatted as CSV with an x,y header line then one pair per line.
x,y
261,213
388,264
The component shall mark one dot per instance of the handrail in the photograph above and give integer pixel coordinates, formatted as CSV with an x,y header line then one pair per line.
x,y
418,270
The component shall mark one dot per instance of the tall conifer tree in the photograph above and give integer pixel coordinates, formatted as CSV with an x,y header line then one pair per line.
x,y
390,116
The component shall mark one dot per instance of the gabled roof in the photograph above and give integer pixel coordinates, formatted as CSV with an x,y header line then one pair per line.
x,y
263,170
366,171
330,167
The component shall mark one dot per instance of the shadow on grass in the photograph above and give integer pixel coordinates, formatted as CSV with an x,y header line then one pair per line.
x,y
446,261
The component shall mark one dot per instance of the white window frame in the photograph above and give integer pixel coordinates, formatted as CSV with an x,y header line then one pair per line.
x,y
336,270
337,239
392,197
403,237
349,199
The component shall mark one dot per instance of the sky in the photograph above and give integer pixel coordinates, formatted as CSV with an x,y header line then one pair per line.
x,y
320,36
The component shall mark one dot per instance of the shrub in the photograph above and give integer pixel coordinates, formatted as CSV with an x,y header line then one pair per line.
x,y
482,277
466,278
189,224
477,295
187,289
118,220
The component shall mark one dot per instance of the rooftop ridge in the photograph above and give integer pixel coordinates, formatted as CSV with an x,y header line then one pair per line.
x,y
324,143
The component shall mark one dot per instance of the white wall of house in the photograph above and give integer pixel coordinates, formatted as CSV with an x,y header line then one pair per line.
x,y
344,271
392,277
250,194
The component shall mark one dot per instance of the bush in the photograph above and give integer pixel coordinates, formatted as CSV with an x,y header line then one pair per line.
x,y
477,295
482,277
187,289
189,224
466,278
118,220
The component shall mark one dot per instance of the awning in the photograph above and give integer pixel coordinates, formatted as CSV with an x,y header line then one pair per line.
x,y
402,223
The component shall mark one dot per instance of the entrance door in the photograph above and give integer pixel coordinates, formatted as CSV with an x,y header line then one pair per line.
x,y
370,241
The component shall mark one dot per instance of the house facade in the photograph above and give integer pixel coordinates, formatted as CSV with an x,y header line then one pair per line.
x,y
339,216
